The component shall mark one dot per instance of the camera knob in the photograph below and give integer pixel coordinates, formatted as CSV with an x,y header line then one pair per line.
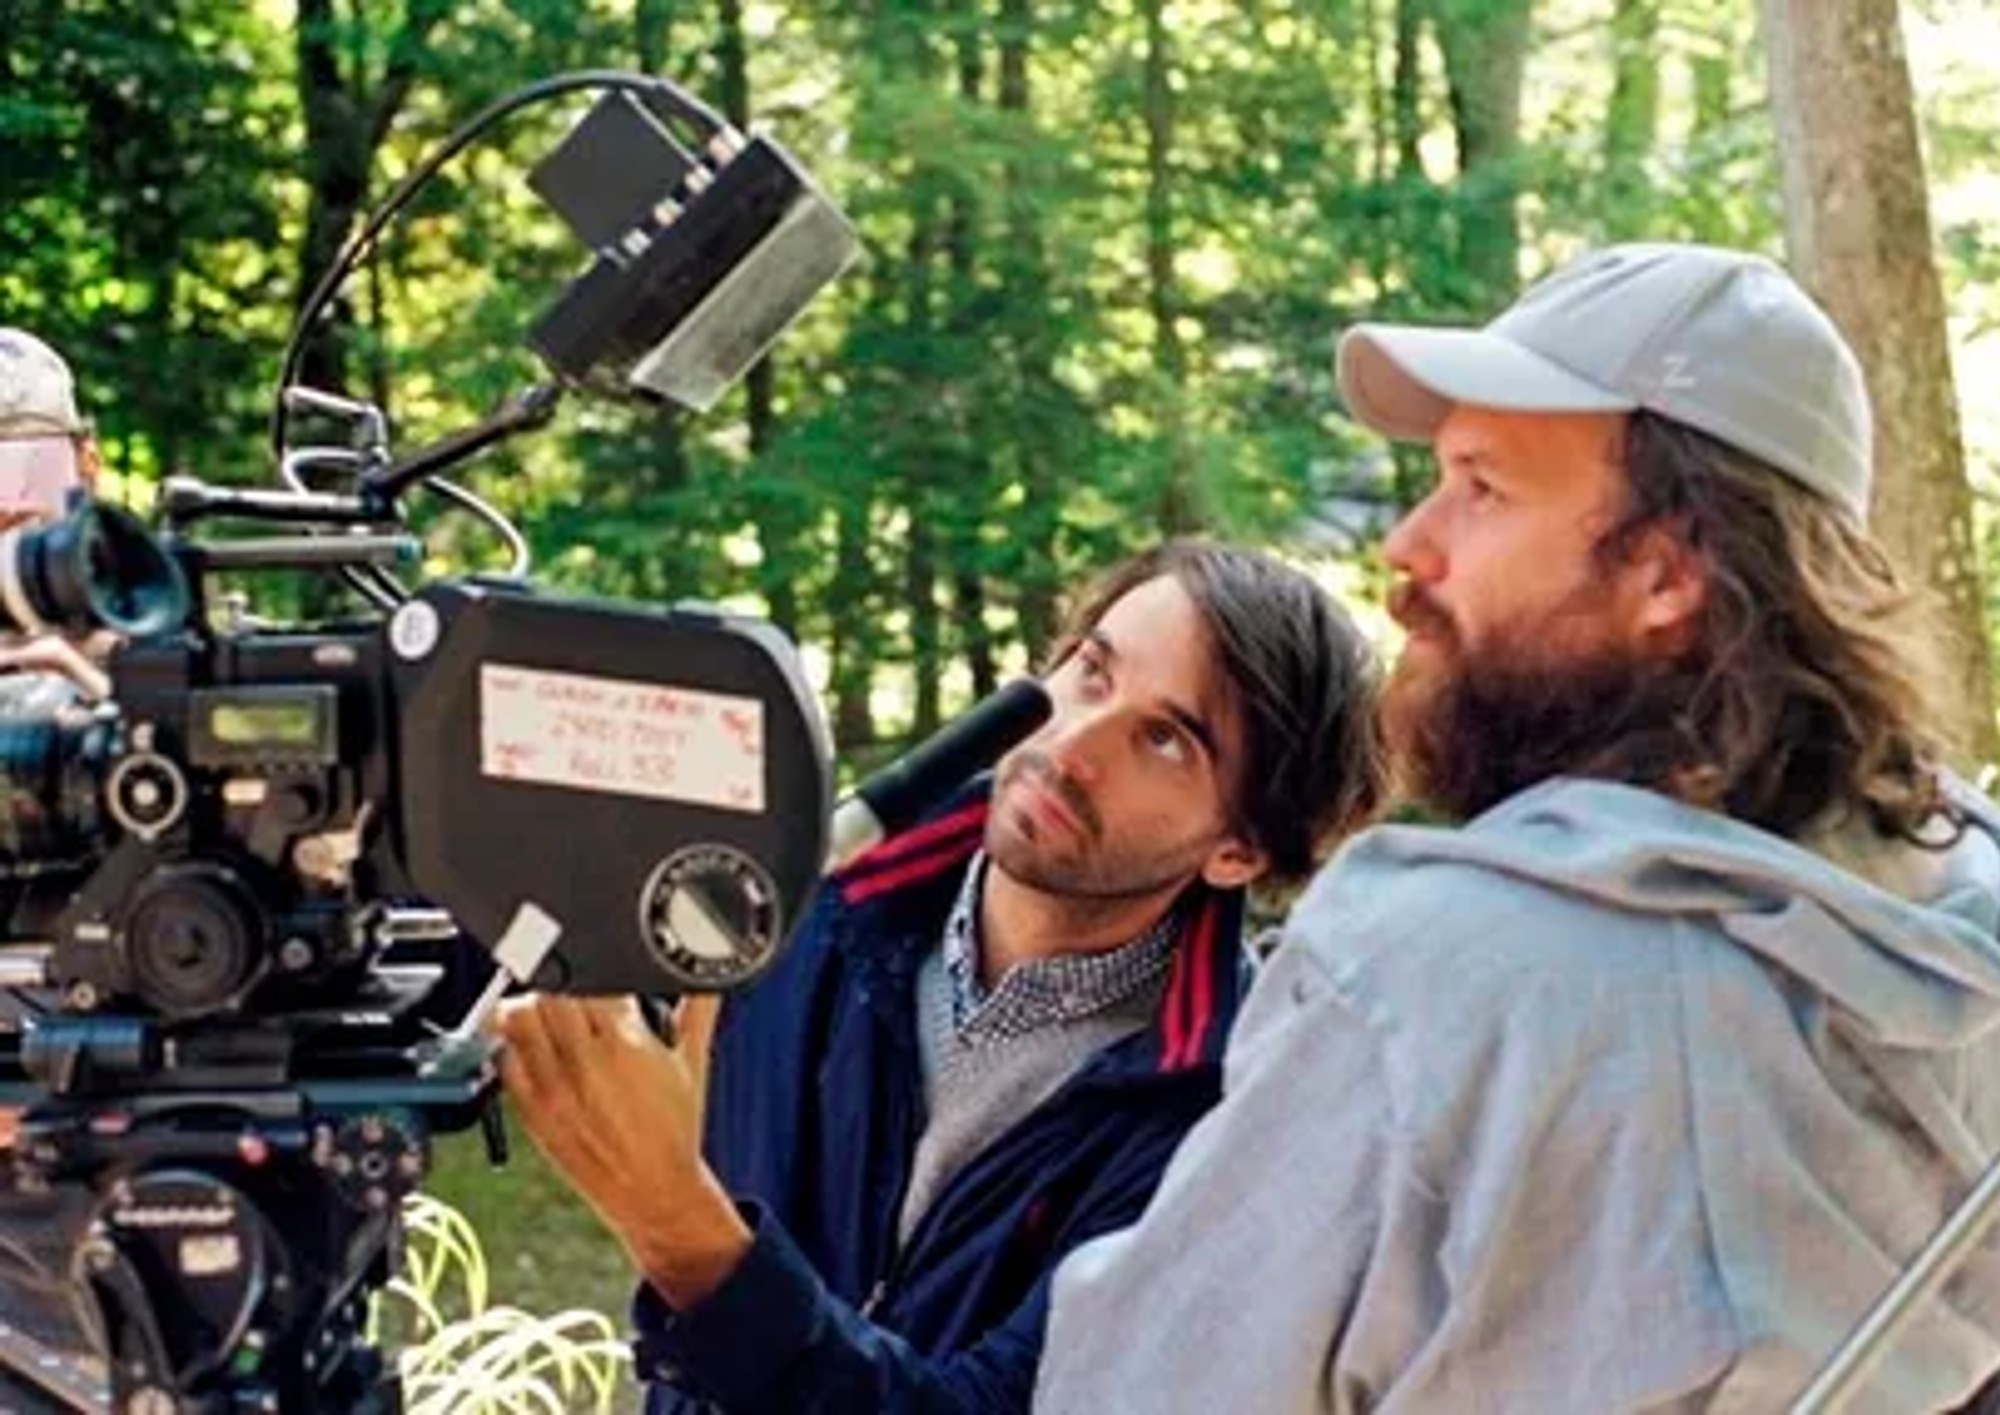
x,y
147,794
194,940
374,1160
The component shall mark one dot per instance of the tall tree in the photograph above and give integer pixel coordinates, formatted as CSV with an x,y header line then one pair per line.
x,y
1631,124
349,110
1405,87
1177,510
773,512
1485,44
971,459
1858,229
1026,279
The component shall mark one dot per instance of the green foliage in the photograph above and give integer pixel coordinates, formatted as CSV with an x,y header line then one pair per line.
x,y
135,233
1105,261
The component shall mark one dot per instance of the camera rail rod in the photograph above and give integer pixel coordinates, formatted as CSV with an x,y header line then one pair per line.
x,y
300,552
184,500
530,408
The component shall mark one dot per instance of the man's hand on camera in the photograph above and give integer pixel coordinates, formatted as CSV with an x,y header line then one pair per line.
x,y
618,1111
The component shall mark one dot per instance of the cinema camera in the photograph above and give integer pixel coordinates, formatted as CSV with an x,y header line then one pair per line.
x,y
235,885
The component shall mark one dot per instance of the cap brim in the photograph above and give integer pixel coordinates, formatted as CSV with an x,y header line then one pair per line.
x,y
1401,380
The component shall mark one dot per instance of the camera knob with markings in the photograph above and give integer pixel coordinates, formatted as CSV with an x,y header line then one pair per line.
x,y
147,794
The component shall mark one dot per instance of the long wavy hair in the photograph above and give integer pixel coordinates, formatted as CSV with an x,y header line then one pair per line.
x,y
1802,695
1303,679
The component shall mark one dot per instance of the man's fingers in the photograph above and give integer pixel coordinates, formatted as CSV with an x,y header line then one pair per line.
x,y
694,1020
574,1039
524,1055
532,1067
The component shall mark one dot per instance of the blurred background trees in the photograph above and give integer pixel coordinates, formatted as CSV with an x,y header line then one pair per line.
x,y
1109,246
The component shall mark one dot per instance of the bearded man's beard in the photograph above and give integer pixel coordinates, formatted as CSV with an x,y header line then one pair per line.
x,y
1468,728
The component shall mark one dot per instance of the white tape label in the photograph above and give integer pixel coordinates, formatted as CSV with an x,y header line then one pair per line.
x,y
621,737
531,933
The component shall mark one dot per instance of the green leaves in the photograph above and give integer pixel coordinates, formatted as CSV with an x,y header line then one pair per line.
x,y
990,405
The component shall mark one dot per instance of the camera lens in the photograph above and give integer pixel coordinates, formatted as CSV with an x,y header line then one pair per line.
x,y
97,568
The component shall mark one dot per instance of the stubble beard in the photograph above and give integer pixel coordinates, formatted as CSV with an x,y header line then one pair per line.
x,y
1098,869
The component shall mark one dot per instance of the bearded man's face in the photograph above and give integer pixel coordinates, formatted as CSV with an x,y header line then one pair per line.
x,y
1528,649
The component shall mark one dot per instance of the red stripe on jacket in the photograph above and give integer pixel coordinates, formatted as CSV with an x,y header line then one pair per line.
x,y
918,854
1190,1003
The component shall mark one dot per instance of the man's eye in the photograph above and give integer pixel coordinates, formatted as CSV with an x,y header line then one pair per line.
x,y
1167,740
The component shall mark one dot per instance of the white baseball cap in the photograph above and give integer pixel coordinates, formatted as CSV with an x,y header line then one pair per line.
x,y
1719,340
39,426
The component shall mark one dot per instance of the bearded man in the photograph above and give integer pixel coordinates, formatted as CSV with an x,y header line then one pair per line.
x,y
1634,1087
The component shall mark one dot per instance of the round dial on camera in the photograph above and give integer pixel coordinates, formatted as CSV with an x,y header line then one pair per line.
x,y
710,916
147,794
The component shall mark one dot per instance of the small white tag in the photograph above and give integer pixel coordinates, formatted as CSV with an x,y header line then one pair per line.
x,y
621,737
527,941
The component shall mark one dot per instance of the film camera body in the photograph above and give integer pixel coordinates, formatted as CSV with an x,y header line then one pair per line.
x,y
251,892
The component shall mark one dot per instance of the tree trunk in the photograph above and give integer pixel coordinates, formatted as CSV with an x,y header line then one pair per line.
x,y
961,530
1405,88
778,531
1857,226
1178,512
347,118
922,504
336,177
665,431
1485,44
652,29
1026,283
1633,119
732,62
851,650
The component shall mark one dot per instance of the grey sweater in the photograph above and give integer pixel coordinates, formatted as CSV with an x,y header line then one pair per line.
x,y
1601,1104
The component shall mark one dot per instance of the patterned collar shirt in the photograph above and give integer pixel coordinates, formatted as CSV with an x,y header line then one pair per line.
x,y
1045,991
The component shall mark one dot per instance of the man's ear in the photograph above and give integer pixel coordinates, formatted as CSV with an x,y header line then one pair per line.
x,y
1667,579
1233,864
89,462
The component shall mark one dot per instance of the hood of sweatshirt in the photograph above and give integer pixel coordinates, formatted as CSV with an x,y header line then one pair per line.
x,y
1904,938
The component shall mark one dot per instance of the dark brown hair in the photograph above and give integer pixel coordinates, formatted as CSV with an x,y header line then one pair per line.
x,y
1802,693
1302,680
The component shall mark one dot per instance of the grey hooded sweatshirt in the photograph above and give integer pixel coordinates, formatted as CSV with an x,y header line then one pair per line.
x,y
1600,1104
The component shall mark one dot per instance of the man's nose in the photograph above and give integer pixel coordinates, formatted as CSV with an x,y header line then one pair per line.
x,y
1411,548
1075,741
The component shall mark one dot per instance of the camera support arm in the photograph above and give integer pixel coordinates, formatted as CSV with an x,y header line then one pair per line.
x,y
531,408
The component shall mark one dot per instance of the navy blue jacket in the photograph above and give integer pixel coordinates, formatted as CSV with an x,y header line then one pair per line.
x,y
815,1107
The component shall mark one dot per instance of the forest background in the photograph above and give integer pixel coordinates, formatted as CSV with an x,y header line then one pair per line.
x,y
1108,248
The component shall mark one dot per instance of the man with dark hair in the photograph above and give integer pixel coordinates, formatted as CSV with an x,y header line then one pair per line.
x,y
1633,1090
988,1035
